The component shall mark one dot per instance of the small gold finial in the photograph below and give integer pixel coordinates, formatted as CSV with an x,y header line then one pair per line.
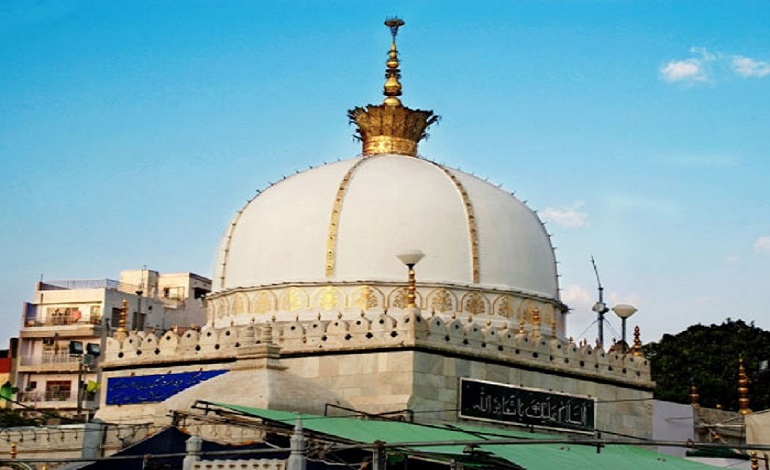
x,y
694,396
122,318
754,460
392,88
637,348
521,326
743,389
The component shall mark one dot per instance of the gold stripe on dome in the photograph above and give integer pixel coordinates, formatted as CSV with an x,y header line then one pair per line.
x,y
472,230
334,223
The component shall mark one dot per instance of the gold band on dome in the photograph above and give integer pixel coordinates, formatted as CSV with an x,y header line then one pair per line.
x,y
389,144
334,223
472,231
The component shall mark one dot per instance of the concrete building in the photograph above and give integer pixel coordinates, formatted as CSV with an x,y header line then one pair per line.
x,y
65,326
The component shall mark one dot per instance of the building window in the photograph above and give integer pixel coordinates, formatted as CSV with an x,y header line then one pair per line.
x,y
173,293
95,316
58,390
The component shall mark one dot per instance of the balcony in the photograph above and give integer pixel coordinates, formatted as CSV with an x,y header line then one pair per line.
x,y
53,361
49,397
61,320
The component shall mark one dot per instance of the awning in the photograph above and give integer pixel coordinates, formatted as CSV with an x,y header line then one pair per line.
x,y
522,449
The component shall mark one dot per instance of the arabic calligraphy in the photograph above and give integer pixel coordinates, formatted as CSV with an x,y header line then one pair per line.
x,y
500,402
153,388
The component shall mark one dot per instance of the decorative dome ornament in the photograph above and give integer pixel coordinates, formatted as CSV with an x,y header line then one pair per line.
x,y
391,128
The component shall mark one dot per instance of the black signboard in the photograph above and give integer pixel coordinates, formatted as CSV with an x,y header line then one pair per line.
x,y
508,404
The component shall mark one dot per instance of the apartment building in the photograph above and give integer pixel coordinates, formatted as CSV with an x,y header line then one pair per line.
x,y
64,328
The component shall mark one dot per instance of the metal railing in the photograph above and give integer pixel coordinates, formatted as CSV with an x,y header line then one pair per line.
x,y
62,357
62,320
72,284
36,396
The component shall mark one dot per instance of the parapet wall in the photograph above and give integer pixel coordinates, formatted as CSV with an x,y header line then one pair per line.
x,y
521,345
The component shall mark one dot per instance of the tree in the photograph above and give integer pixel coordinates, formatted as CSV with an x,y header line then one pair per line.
x,y
708,357
12,418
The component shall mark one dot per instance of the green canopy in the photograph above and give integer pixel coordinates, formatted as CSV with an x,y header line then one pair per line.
x,y
523,449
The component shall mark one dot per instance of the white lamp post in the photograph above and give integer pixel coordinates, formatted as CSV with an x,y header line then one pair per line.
x,y
410,258
624,311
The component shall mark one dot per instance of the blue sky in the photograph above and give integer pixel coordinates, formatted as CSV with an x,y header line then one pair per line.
x,y
131,132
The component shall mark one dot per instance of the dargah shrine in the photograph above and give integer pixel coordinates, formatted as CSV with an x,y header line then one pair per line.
x,y
384,284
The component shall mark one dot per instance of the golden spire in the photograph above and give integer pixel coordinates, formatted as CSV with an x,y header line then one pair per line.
x,y
121,332
637,348
743,390
694,395
391,128
122,319
392,72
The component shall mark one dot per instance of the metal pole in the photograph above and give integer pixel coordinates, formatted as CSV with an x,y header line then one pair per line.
x,y
623,333
80,386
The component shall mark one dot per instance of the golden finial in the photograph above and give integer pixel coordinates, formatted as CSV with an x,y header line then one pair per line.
x,y
535,317
391,128
694,396
535,321
14,452
743,389
521,326
392,88
637,348
754,460
122,331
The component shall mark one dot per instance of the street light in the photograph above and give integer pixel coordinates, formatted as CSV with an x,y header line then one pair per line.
x,y
624,311
410,258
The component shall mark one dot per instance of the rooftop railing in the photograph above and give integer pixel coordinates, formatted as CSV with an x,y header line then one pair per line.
x,y
89,284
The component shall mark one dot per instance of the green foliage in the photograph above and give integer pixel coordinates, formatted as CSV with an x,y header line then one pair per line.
x,y
708,357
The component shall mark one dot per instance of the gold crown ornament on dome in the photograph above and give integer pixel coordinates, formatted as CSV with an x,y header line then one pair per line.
x,y
391,127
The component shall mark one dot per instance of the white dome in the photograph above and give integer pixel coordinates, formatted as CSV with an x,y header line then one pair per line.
x,y
386,204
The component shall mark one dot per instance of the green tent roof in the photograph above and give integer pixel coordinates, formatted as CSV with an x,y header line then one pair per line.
x,y
520,448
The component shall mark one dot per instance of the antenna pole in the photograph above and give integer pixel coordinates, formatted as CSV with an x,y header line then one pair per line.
x,y
599,307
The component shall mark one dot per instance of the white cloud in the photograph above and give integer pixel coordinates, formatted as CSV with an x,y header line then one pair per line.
x,y
577,298
694,69
568,217
762,245
705,65
683,70
630,299
748,67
